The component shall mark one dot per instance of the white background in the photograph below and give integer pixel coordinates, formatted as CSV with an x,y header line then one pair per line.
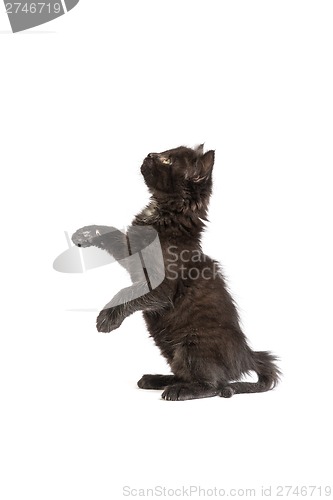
x,y
83,100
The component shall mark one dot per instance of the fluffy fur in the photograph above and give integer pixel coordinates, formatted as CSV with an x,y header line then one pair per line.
x,y
190,315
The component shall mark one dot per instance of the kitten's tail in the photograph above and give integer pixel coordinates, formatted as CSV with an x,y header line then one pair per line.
x,y
268,376
268,373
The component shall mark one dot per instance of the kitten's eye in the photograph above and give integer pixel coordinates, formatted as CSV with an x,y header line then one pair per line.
x,y
166,161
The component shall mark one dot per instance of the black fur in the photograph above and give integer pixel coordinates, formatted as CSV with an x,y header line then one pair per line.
x,y
190,315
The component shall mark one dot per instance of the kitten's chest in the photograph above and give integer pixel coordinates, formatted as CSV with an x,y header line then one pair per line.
x,y
164,329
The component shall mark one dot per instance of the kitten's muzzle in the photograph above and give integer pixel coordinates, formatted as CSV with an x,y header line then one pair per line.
x,y
148,162
147,165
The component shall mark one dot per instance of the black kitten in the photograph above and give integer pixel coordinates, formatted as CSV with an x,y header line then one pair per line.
x,y
190,314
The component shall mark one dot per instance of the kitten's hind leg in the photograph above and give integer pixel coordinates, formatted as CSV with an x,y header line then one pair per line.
x,y
190,390
156,381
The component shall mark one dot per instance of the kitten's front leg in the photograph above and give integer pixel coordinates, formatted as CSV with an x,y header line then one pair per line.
x,y
137,297
124,303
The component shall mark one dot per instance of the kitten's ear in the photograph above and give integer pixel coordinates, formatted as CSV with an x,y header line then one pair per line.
x,y
205,166
199,149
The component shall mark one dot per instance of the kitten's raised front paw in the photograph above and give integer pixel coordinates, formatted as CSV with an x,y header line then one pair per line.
x,y
84,237
108,320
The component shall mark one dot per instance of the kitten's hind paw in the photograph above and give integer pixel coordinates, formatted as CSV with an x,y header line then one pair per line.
x,y
185,391
172,392
156,381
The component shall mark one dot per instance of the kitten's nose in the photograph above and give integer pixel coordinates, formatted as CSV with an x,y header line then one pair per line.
x,y
152,155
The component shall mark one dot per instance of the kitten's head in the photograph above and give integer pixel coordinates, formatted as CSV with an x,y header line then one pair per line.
x,y
182,171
